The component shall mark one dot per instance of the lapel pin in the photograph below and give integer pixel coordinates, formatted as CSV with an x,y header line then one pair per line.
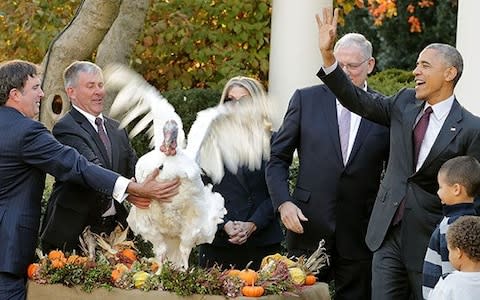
x,y
453,129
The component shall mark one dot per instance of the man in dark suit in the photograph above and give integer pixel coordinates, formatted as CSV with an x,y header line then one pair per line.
x,y
407,207
28,151
71,206
335,189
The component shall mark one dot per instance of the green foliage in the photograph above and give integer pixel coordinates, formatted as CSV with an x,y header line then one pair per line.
x,y
395,45
390,81
196,44
28,27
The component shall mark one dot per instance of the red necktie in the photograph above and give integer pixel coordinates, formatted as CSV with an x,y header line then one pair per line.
x,y
418,135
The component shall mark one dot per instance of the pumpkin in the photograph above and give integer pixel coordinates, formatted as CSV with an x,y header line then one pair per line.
x,y
249,276
252,291
233,272
72,259
56,254
32,269
58,263
118,271
310,279
154,267
129,254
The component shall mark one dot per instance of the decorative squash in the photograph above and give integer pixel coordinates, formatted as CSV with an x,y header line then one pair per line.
x,y
129,254
32,269
139,279
249,276
56,254
253,291
233,272
297,275
58,263
310,279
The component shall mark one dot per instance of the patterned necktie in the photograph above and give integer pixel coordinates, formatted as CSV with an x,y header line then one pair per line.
x,y
104,137
344,132
418,135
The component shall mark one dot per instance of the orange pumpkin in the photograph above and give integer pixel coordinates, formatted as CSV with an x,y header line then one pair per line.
x,y
310,279
58,263
116,274
154,267
32,269
56,254
253,291
233,272
249,276
129,254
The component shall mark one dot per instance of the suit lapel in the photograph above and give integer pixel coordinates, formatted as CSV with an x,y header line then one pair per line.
x,y
409,117
451,127
83,122
329,110
362,133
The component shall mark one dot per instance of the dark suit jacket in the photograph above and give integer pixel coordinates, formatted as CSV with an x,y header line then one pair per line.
x,y
247,199
72,207
336,199
27,151
460,135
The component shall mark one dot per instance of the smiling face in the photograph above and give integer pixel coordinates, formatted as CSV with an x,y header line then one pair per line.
x,y
88,92
433,77
28,100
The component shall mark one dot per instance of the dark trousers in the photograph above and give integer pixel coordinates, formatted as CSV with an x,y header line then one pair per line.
x,y
390,278
12,287
352,278
235,255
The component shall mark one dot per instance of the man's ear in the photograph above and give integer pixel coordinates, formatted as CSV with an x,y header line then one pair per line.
x,y
450,73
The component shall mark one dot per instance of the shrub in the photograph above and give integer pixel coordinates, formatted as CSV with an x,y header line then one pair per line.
x,y
390,81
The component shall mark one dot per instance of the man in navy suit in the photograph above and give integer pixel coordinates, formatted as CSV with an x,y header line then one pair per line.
x,y
407,207
28,151
335,189
71,206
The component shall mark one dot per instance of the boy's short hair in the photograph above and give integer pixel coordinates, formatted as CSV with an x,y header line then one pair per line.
x,y
464,233
464,170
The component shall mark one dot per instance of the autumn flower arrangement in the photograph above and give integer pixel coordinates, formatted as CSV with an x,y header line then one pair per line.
x,y
113,262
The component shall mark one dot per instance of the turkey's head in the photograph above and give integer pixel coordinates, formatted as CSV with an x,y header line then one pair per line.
x,y
170,133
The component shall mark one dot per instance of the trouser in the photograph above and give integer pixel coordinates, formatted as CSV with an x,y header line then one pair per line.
x,y
12,287
390,278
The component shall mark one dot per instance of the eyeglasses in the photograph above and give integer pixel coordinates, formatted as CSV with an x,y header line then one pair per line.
x,y
352,66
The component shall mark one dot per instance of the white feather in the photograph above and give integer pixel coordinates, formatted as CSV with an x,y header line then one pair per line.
x,y
226,136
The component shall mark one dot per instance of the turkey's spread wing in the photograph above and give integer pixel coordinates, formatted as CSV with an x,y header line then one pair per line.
x,y
140,103
230,135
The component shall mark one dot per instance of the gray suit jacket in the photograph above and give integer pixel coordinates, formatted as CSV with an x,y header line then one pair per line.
x,y
460,135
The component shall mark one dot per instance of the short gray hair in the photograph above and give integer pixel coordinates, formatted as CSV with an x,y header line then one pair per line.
x,y
70,75
451,56
356,40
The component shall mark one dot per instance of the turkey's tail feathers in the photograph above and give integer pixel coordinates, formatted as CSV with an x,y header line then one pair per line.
x,y
138,100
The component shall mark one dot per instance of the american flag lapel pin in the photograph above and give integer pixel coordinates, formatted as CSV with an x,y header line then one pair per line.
x,y
453,129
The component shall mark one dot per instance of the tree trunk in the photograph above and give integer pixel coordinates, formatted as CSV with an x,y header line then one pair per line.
x,y
77,41
118,44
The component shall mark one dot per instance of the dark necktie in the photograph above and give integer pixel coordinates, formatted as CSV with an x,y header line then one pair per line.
x,y
418,135
104,137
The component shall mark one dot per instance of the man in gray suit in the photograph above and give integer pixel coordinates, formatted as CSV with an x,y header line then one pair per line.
x,y
428,120
28,152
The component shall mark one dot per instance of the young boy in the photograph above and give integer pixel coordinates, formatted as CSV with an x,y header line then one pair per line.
x,y
463,238
459,182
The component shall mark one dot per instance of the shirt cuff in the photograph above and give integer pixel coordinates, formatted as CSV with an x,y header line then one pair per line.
x,y
330,69
120,189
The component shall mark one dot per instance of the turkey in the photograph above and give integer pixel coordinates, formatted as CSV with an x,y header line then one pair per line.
x,y
175,228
